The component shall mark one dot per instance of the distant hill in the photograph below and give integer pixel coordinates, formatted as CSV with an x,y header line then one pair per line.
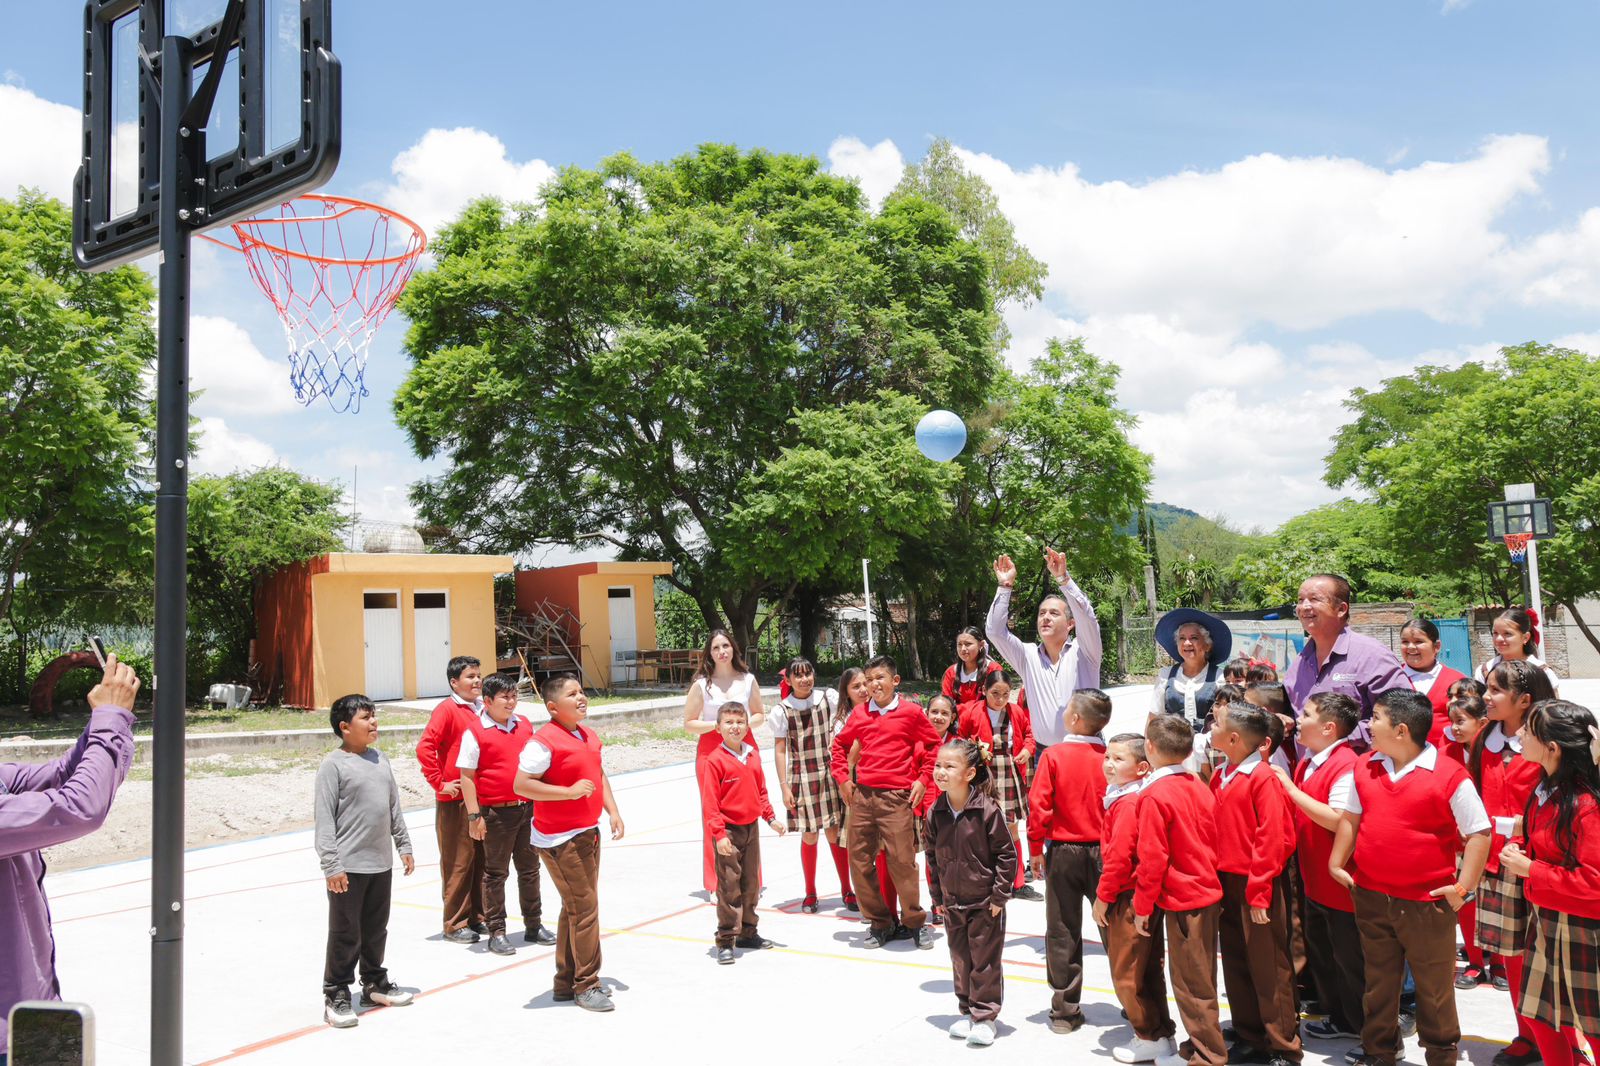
x,y
1162,515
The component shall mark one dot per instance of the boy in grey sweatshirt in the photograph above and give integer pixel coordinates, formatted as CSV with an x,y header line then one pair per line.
x,y
358,814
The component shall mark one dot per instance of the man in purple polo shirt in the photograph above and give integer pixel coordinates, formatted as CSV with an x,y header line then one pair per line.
x,y
45,804
1335,659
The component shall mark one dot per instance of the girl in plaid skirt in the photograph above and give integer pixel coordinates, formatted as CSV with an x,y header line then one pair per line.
x,y
803,725
1505,782
1001,729
1559,868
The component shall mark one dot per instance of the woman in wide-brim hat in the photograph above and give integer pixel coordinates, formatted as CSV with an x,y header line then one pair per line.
x,y
1199,643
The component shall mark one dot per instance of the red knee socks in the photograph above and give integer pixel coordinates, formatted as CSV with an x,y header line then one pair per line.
x,y
1022,869
891,899
1554,1047
1467,919
841,862
808,866
1513,968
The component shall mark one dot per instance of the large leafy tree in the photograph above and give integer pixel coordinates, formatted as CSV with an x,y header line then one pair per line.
x,y
74,350
632,357
1436,448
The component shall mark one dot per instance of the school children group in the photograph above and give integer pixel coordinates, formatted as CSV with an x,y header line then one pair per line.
x,y
1328,857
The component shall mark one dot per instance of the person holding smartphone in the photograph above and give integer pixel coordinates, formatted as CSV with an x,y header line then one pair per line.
x,y
45,804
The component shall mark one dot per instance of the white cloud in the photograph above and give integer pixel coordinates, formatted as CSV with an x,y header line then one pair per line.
x,y
224,449
42,142
878,168
233,374
1588,343
436,177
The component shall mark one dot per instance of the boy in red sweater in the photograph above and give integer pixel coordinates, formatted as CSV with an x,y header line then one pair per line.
x,y
733,793
1136,961
1254,839
1064,817
560,771
499,819
460,856
1177,873
1402,821
895,768
1321,783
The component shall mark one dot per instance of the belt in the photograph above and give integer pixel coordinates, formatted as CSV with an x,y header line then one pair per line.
x,y
513,803
871,788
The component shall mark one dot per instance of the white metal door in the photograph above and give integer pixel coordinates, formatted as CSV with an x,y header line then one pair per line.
x,y
624,635
386,679
430,620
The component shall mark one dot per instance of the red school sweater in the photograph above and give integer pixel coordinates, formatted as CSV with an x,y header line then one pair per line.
x,y
440,743
897,747
1255,834
972,723
1119,838
1066,801
1505,780
498,750
1406,843
733,789
1560,881
960,692
1314,843
1177,846
574,757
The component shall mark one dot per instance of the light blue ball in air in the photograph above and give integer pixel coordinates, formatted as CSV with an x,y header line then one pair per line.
x,y
941,435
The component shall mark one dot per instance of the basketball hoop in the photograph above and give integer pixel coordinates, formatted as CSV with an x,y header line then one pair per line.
x,y
1517,545
333,267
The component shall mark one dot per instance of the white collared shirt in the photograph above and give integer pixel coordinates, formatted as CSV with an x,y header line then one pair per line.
x,y
1247,767
469,753
1424,680
1078,738
1470,815
476,704
966,676
872,705
1499,740
778,717
1116,792
744,752
1339,794
534,761
1165,771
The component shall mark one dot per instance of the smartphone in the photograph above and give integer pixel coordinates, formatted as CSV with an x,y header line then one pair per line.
x,y
51,1034
98,646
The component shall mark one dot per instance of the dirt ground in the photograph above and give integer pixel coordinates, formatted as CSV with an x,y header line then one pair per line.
x,y
235,797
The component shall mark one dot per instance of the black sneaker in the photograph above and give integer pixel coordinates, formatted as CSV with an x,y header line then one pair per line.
x,y
1027,892
1328,1029
1248,1054
754,942
1358,1054
1408,1025
877,938
478,927
337,1011
538,934
724,956
901,933
384,994
923,937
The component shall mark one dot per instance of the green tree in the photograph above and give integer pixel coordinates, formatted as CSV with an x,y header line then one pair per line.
x,y
74,350
629,359
242,527
1529,417
941,178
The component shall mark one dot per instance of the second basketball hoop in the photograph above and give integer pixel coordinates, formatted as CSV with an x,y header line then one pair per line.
x,y
333,268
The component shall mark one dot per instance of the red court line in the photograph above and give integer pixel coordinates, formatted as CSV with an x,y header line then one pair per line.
x,y
284,1038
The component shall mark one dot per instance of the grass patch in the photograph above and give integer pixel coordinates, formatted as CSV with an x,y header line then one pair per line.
x,y
633,734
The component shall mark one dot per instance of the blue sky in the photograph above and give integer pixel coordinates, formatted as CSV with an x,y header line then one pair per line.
x,y
1251,207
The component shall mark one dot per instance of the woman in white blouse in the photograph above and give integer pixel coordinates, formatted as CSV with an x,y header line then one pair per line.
x,y
722,678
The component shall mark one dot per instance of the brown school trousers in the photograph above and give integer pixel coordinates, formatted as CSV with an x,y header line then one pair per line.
x,y
1333,948
1257,970
574,869
1071,874
507,833
881,818
1192,959
460,866
738,884
975,938
1136,971
1394,933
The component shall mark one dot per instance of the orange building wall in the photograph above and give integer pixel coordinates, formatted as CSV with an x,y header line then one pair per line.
x,y
283,644
594,610
558,584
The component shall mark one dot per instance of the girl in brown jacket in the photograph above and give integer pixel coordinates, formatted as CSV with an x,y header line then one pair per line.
x,y
971,864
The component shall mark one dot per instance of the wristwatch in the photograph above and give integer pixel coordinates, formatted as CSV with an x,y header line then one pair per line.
x,y
1466,897
474,816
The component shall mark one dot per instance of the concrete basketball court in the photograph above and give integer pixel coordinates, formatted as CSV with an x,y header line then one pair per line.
x,y
257,921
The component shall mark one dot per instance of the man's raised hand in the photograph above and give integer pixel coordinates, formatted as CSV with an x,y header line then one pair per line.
x,y
1005,571
1057,565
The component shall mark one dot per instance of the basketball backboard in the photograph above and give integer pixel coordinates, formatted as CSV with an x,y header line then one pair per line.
x,y
1531,516
274,130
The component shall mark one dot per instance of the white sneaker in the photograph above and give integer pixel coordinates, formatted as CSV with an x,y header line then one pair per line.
x,y
1139,1050
982,1034
1173,1059
960,1028
337,1011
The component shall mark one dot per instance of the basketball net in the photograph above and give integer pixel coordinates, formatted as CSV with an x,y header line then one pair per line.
x,y
1517,545
333,268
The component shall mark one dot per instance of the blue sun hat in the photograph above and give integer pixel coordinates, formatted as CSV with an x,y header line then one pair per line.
x,y
1221,635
